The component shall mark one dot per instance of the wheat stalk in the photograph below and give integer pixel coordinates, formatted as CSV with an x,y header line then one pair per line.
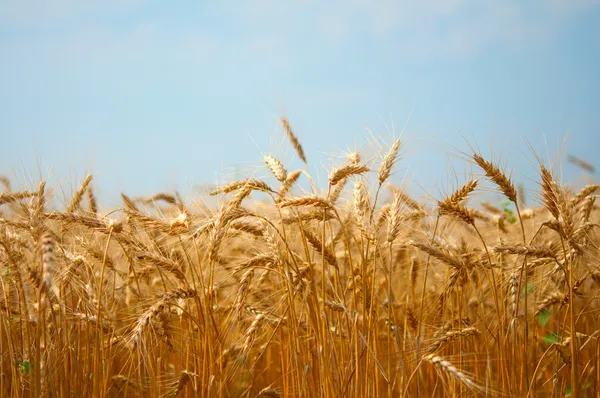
x,y
385,169
500,179
346,171
295,143
76,200
276,168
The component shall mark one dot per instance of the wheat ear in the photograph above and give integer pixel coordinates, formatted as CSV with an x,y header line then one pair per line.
x,y
290,133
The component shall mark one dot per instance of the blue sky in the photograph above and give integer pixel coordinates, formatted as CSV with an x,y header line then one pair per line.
x,y
153,96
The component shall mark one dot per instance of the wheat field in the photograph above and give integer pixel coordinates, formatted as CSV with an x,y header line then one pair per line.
x,y
354,290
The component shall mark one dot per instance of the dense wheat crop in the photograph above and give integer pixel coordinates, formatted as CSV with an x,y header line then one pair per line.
x,y
353,290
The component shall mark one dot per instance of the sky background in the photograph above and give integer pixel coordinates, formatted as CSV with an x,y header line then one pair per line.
x,y
154,96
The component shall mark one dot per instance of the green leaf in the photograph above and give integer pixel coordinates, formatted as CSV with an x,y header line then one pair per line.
x,y
551,338
25,366
586,386
510,215
528,290
544,317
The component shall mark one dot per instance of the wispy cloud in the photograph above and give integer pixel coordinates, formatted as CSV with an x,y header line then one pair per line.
x,y
41,11
429,27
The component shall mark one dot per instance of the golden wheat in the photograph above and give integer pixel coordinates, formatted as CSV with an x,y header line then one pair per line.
x,y
302,292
